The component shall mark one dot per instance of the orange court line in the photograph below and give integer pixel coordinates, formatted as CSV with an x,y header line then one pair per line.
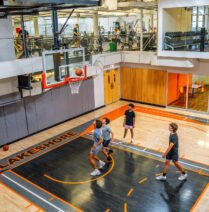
x,y
107,210
51,199
28,206
142,180
59,181
157,166
129,193
125,207
20,196
46,191
158,174
180,171
192,209
166,114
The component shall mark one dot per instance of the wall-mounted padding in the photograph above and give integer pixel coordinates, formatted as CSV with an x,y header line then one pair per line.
x,y
15,117
36,113
3,128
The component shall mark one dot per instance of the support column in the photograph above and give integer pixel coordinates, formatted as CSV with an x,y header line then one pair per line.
x,y
95,22
36,29
57,60
55,29
141,35
25,46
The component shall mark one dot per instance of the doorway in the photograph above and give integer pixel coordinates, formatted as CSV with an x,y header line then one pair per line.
x,y
112,86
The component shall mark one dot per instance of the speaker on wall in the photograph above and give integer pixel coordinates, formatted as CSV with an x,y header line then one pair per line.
x,y
24,82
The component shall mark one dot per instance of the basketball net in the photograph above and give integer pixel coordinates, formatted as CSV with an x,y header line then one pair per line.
x,y
74,86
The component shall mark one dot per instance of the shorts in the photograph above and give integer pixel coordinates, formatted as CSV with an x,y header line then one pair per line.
x,y
97,149
128,127
106,143
172,157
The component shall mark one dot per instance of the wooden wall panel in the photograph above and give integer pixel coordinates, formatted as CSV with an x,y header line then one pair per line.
x,y
143,85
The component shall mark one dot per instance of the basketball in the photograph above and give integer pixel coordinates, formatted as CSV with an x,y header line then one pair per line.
x,y
5,147
78,72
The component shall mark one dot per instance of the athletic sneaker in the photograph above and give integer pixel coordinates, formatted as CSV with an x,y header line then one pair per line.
x,y
109,160
183,177
110,151
101,164
132,141
160,177
123,140
95,172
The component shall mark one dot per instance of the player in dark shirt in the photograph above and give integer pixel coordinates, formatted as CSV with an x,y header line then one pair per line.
x,y
129,122
172,154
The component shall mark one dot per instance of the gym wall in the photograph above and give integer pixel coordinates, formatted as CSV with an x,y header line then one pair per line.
x,y
143,85
36,113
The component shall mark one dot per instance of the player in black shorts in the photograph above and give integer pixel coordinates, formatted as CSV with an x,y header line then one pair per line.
x,y
129,123
172,154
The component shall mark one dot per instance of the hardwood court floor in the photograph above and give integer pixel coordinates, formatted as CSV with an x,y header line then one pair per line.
x,y
129,180
151,131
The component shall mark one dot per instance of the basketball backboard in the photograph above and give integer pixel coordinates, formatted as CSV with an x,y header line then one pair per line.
x,y
61,64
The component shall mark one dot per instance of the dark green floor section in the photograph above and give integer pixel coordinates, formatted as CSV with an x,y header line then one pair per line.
x,y
70,163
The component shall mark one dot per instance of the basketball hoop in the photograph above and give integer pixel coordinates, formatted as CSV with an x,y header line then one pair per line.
x,y
76,81
74,86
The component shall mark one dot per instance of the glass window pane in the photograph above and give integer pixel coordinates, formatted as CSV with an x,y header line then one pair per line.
x,y
194,10
201,10
198,93
200,24
194,18
194,24
201,18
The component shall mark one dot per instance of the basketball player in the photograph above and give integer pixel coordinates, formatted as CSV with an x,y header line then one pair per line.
x,y
106,131
96,148
172,154
129,122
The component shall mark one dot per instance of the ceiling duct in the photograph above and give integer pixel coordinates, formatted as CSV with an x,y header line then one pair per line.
x,y
22,6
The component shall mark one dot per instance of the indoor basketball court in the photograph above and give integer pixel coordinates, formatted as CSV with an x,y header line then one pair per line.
x,y
54,174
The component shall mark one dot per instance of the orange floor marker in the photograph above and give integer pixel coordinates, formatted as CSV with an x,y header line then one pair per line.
x,y
141,181
129,193
125,207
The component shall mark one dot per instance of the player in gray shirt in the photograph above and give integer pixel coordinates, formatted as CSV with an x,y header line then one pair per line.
x,y
107,139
